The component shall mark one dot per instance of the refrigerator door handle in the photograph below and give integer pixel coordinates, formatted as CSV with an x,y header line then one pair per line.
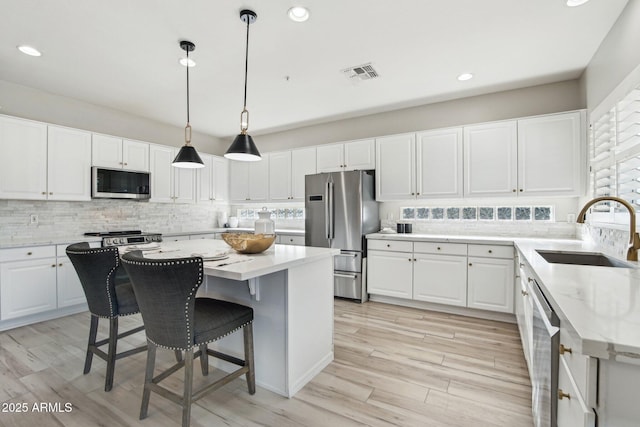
x,y
330,213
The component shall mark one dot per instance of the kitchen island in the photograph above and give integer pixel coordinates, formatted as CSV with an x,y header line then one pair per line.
x,y
290,289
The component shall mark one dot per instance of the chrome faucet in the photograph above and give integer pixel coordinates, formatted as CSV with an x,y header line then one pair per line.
x,y
634,238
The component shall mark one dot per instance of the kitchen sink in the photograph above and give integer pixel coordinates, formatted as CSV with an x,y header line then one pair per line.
x,y
582,258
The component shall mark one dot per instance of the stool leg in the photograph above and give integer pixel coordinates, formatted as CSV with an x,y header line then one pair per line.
x,y
204,360
93,331
148,377
188,387
178,354
248,357
111,355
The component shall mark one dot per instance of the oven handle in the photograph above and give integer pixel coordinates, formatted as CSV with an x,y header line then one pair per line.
x,y
346,276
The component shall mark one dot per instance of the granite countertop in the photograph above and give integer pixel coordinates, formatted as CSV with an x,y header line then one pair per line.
x,y
599,306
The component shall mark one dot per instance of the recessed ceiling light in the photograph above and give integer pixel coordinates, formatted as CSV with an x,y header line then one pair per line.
x,y
465,76
574,3
298,13
187,62
28,50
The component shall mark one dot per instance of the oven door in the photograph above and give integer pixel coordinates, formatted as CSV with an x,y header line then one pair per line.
x,y
544,375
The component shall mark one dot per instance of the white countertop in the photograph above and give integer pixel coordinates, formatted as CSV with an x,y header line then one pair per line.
x,y
243,267
600,306
449,238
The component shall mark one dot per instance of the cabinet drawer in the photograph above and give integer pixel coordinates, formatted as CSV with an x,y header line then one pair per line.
x,y
287,239
202,236
583,369
391,245
491,251
572,411
27,253
440,248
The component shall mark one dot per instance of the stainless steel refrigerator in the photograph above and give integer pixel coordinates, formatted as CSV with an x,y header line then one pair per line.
x,y
340,209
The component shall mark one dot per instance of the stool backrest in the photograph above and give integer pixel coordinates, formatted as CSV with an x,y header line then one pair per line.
x,y
166,292
97,269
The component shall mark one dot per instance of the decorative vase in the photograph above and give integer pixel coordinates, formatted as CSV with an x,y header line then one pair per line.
x,y
265,224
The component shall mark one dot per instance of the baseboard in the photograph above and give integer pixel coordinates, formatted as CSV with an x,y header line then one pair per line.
x,y
312,372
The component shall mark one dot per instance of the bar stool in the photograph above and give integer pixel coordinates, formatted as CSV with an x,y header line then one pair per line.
x,y
109,295
175,319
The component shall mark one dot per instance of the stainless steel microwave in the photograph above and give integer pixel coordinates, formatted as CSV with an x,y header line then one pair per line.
x,y
119,184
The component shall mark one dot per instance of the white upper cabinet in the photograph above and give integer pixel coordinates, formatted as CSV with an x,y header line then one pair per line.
x,y
287,171
439,163
68,164
491,154
280,176
213,179
551,154
170,184
117,153
58,166
395,167
249,181
20,139
303,163
345,156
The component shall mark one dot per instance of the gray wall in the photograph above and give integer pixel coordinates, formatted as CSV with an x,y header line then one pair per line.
x,y
549,98
29,103
617,56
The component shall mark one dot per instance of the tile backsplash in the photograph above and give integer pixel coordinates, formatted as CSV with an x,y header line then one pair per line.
x,y
65,219
611,241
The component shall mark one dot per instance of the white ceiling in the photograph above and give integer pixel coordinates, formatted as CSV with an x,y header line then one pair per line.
x,y
124,54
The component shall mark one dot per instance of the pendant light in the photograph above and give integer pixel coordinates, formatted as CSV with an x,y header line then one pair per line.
x,y
187,157
243,148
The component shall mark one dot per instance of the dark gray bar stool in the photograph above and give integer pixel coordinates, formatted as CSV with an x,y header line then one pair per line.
x,y
175,319
109,295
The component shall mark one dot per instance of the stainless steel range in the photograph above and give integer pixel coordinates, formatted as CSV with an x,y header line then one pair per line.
x,y
126,237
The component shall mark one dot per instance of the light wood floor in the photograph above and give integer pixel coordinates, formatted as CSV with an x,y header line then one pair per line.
x,y
393,366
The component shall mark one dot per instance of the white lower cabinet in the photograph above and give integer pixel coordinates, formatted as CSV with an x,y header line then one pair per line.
x,y
390,273
290,239
438,272
440,277
34,280
572,410
27,287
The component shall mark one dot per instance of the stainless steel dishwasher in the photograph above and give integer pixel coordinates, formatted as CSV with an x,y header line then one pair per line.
x,y
544,375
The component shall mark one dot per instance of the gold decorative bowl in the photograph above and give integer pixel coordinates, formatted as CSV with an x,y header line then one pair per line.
x,y
247,243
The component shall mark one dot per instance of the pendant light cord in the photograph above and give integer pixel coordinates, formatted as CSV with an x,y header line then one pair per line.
x,y
188,86
246,64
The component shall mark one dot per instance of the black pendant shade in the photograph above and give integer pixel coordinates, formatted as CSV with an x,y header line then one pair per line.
x,y
243,149
188,158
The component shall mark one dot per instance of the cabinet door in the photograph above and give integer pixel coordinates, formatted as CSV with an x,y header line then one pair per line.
x,y
68,164
395,167
135,155
27,287
551,155
490,152
239,180
106,151
360,155
303,163
390,274
220,183
70,290
280,176
184,183
490,284
23,139
161,179
330,158
259,179
205,179
572,410
441,279
439,163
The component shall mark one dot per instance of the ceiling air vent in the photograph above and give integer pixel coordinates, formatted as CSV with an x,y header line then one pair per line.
x,y
361,72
